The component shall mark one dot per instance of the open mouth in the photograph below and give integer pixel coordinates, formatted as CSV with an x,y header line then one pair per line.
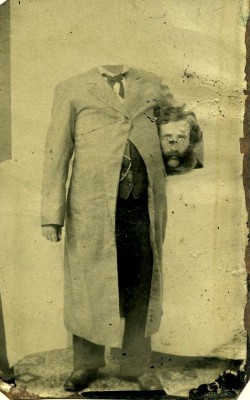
x,y
174,157
173,161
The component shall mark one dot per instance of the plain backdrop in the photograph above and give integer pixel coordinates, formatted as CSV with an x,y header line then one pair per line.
x,y
198,47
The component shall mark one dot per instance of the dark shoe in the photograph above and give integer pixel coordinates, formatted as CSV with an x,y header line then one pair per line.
x,y
80,379
148,381
8,376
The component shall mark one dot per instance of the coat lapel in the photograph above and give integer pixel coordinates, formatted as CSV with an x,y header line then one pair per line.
x,y
102,90
133,92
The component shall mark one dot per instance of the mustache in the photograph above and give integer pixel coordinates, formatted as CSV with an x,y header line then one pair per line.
x,y
176,153
173,154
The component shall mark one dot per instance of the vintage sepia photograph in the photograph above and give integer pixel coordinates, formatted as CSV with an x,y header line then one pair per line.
x,y
123,199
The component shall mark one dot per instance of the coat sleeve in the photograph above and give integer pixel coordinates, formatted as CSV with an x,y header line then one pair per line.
x,y
58,152
166,97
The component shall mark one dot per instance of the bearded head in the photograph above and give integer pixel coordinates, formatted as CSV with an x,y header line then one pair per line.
x,y
179,137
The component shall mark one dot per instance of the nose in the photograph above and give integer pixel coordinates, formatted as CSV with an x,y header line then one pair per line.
x,y
173,142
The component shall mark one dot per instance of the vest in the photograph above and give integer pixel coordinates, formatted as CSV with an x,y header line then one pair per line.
x,y
133,175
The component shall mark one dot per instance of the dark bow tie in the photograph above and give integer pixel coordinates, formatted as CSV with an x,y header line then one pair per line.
x,y
113,79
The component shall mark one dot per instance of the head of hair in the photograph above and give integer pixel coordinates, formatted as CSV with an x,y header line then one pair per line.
x,y
164,114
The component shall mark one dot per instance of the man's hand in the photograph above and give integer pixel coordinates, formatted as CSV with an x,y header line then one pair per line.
x,y
52,232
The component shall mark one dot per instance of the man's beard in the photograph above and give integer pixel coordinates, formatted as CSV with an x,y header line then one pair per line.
x,y
173,159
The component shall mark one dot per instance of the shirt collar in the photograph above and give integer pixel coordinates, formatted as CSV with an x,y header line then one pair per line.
x,y
103,70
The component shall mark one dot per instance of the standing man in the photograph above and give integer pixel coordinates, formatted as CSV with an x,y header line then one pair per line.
x,y
114,214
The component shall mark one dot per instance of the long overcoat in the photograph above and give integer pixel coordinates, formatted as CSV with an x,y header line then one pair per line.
x,y
90,124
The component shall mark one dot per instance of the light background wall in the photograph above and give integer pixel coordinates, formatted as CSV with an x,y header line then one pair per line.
x,y
5,98
198,47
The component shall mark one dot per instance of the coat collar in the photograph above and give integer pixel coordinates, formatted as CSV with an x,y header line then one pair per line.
x,y
103,70
133,96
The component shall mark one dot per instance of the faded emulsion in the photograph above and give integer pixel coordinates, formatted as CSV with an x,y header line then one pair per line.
x,y
245,149
35,370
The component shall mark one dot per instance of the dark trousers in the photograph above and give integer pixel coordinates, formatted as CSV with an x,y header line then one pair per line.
x,y
134,263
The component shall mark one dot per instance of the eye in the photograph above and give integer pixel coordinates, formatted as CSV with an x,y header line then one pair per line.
x,y
167,137
182,138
